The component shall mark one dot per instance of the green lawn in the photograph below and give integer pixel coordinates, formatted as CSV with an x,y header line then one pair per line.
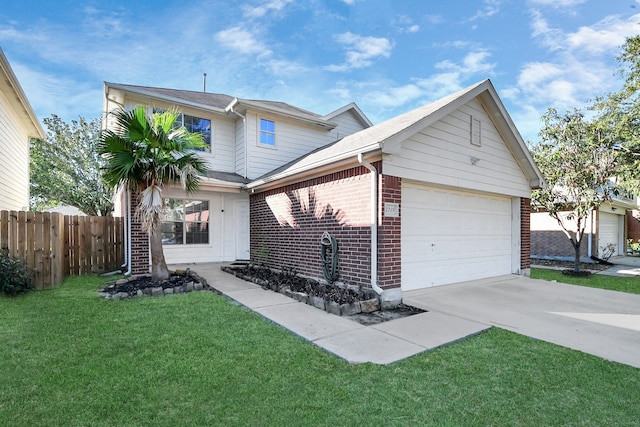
x,y
70,358
622,284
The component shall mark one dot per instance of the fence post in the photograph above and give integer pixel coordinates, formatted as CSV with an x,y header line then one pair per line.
x,y
57,246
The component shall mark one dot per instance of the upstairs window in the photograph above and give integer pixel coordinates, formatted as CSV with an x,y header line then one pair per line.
x,y
267,132
194,125
185,222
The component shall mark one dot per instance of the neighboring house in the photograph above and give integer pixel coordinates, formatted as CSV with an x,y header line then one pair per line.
x,y
605,235
435,196
246,139
18,124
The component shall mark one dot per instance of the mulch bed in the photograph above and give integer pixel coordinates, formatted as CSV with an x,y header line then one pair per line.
x,y
179,282
567,265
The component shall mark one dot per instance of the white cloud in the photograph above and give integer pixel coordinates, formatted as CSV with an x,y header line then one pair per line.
x,y
491,7
361,50
608,34
473,63
242,41
264,8
405,24
558,3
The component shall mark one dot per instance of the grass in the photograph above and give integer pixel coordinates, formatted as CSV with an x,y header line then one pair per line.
x,y
612,283
70,358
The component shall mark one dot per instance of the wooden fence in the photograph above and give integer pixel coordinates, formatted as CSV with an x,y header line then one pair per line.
x,y
55,246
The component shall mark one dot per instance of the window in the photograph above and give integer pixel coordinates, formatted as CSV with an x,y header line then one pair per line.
x,y
185,222
194,125
267,132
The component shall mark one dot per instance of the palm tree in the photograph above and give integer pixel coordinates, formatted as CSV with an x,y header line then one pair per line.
x,y
145,153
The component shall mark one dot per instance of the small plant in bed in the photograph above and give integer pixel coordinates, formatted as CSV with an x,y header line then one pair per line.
x,y
356,302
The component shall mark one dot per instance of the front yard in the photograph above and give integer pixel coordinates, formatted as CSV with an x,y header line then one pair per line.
x,y
623,284
71,358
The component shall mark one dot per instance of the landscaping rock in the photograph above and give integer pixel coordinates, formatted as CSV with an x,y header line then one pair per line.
x,y
156,292
139,293
189,287
317,302
333,308
300,296
168,291
370,305
198,286
350,309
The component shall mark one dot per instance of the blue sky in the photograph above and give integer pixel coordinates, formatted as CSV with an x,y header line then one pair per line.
x,y
389,56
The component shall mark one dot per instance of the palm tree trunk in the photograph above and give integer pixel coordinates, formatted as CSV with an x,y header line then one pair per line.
x,y
159,270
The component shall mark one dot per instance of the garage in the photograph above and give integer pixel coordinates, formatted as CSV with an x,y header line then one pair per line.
x,y
609,232
451,236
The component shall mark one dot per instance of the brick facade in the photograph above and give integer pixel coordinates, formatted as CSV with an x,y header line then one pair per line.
x,y
633,225
389,234
287,223
525,233
139,240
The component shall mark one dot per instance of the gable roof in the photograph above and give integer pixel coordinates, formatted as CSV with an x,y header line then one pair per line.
x,y
10,86
386,137
225,104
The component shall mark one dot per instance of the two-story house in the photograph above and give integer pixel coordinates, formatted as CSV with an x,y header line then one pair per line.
x,y
437,195
18,124
246,139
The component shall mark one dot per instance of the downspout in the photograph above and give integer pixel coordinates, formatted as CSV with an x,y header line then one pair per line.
x,y
128,216
246,145
374,223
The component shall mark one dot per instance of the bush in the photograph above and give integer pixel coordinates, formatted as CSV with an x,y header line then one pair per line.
x,y
14,276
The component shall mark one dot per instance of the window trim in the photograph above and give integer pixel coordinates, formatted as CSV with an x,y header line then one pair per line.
x,y
180,120
185,222
261,131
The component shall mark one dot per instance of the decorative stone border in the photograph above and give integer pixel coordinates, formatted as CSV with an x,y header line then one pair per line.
x,y
370,305
195,283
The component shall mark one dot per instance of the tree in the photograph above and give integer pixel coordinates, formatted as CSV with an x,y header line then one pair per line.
x,y
144,154
577,162
65,167
618,115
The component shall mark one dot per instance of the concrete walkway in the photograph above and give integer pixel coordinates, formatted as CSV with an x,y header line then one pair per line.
x,y
595,321
384,343
625,266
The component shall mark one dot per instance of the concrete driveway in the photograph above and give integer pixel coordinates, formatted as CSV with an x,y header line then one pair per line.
x,y
595,321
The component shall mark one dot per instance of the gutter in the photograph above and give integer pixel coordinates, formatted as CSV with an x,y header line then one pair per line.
x,y
374,223
229,109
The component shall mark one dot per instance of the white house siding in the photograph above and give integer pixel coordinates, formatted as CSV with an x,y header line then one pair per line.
x,y
223,137
240,148
14,158
443,154
292,141
348,123
223,229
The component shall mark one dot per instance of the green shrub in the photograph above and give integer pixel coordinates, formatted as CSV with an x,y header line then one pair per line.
x,y
14,276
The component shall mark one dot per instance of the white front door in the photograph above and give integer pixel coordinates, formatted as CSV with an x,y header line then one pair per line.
x,y
241,216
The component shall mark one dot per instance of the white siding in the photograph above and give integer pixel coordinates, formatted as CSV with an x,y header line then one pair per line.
x,y
347,123
223,136
14,160
443,154
293,140
240,148
222,229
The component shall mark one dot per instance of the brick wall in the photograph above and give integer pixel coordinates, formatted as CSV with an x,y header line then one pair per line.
x,y
389,233
550,241
139,241
287,223
633,225
525,233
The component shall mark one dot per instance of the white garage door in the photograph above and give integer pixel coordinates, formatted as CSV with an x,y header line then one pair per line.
x,y
453,236
608,232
